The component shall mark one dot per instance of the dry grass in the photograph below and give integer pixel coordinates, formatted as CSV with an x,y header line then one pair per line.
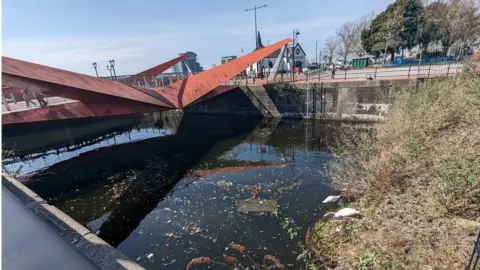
x,y
416,179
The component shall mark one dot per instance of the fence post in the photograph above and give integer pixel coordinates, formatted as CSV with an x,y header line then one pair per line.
x,y
314,99
375,75
322,97
429,69
448,69
345,74
418,69
409,68
306,104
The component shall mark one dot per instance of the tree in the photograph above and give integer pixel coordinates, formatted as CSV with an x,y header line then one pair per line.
x,y
458,21
412,13
383,34
347,34
393,29
331,46
468,20
363,23
430,23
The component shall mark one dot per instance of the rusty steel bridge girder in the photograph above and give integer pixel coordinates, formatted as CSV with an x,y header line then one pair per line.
x,y
186,91
96,97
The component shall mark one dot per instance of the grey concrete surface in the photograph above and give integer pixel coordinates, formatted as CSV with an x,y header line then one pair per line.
x,y
100,253
29,243
21,105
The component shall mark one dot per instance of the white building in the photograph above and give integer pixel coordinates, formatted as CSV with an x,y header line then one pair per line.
x,y
286,62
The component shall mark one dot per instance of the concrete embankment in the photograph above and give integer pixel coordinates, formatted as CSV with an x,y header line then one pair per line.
x,y
355,100
90,246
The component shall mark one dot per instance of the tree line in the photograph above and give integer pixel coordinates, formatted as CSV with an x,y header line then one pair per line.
x,y
406,24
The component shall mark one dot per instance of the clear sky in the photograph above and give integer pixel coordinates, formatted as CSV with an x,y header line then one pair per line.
x,y
71,34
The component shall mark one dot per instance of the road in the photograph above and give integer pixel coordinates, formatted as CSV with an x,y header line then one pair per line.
x,y
30,243
403,72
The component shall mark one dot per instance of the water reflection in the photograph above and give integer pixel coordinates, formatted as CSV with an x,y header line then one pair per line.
x,y
177,191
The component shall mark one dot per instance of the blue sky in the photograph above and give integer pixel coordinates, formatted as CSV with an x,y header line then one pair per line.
x,y
71,34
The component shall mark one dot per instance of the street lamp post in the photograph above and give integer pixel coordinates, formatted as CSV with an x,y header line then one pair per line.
x,y
112,64
94,64
316,52
110,69
295,34
256,32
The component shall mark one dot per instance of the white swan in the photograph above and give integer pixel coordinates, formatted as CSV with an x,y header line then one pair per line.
x,y
345,212
331,199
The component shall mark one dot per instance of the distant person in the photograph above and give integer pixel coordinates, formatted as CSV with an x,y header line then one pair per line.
x,y
27,98
41,100
333,71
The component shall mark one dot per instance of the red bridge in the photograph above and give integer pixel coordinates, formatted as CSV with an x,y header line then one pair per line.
x,y
53,94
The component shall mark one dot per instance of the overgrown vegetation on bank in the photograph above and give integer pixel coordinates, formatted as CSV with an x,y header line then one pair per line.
x,y
416,180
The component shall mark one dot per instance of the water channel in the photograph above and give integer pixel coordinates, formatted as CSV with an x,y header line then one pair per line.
x,y
182,186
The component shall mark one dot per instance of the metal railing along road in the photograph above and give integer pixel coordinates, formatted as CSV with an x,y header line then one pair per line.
x,y
402,72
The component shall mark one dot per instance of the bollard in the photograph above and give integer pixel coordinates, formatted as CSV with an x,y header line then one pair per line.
x,y
375,75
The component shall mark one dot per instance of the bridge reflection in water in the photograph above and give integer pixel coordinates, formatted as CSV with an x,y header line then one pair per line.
x,y
170,184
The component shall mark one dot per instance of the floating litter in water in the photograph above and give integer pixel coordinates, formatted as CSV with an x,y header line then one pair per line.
x,y
256,205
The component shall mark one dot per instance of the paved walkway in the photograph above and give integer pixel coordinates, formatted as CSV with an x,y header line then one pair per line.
x,y
29,243
389,73
21,105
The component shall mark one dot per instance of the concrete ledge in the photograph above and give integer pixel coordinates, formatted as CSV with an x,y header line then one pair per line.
x,y
91,246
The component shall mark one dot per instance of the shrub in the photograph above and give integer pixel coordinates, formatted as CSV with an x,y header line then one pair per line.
x,y
416,177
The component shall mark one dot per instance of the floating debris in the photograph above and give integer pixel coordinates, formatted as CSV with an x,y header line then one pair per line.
x,y
195,230
225,184
150,256
196,261
257,205
283,189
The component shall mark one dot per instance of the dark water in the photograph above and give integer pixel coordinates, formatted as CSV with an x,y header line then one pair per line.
x,y
172,186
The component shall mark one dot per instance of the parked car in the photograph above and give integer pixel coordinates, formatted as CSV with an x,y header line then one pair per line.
x,y
341,65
